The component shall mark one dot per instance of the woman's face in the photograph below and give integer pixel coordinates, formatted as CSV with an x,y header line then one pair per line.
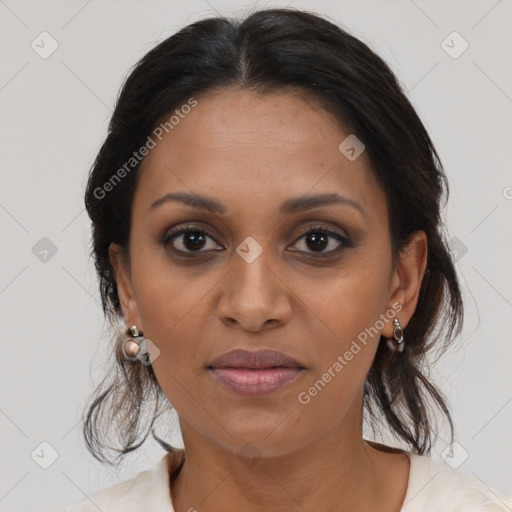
x,y
254,278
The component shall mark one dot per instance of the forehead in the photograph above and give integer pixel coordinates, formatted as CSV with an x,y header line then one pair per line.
x,y
245,146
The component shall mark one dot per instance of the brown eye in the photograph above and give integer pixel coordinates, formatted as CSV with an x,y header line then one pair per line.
x,y
318,239
187,239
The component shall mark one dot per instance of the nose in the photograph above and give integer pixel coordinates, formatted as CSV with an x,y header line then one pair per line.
x,y
253,295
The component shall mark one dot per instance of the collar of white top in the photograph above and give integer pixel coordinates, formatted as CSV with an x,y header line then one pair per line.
x,y
432,485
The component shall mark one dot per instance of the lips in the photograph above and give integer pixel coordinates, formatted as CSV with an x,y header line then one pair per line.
x,y
254,360
255,374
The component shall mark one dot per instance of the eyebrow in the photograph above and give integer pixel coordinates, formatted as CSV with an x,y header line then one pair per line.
x,y
293,205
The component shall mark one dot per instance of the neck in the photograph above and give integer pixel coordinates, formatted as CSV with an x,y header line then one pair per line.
x,y
338,471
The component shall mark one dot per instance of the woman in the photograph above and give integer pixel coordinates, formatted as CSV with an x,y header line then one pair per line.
x,y
266,226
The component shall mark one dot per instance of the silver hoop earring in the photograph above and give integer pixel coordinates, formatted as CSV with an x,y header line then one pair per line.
x,y
397,343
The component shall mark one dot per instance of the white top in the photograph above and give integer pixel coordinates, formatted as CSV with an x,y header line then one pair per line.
x,y
432,487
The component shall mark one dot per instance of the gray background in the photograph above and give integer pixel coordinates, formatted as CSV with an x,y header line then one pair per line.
x,y
54,116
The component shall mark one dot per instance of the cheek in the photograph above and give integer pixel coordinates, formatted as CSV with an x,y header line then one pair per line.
x,y
171,312
168,296
349,306
346,351
346,301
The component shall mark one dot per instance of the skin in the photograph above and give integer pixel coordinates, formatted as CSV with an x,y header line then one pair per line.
x,y
252,152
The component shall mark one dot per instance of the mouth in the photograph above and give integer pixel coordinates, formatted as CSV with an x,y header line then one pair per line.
x,y
254,360
254,374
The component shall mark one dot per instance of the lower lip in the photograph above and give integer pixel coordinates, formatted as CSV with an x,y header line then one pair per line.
x,y
255,382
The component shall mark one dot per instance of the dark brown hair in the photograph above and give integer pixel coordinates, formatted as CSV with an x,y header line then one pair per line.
x,y
272,50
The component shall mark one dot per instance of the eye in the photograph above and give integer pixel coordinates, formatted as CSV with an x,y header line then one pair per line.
x,y
187,239
317,238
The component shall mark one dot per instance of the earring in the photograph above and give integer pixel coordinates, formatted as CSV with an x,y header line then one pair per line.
x,y
397,344
131,346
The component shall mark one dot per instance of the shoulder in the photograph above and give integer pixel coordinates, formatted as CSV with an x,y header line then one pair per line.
x,y
123,496
149,490
436,487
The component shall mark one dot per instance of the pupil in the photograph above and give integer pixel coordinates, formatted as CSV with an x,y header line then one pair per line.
x,y
196,239
319,240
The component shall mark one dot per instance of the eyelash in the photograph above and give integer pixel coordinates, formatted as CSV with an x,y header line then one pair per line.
x,y
169,237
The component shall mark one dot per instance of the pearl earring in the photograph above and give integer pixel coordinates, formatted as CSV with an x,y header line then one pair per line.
x,y
131,346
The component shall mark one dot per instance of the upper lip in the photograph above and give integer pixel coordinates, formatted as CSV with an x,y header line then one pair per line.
x,y
261,359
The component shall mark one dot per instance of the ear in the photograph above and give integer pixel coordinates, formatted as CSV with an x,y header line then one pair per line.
x,y
122,272
405,281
